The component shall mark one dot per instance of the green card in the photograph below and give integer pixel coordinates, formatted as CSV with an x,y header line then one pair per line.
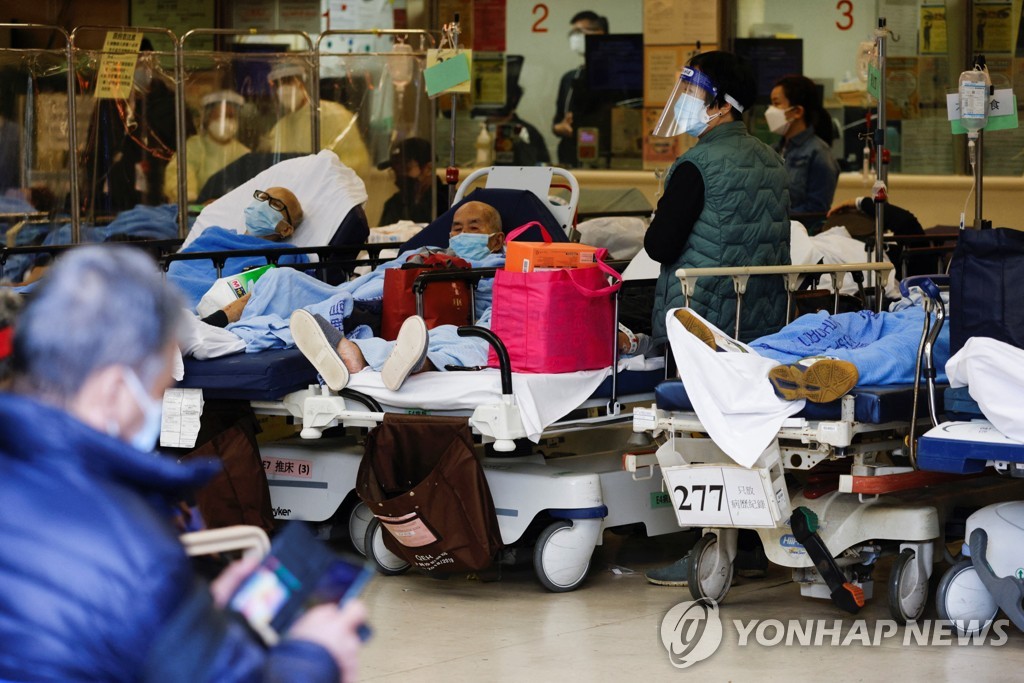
x,y
447,74
874,81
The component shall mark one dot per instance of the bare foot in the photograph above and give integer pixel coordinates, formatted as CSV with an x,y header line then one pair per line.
x,y
351,356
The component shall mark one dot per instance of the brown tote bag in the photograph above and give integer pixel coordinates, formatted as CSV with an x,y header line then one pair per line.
x,y
421,478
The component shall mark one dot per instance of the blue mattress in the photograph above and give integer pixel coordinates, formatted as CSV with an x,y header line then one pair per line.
x,y
959,404
965,447
264,376
872,404
631,382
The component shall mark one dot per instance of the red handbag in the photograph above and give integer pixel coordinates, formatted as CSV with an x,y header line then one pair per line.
x,y
560,320
444,303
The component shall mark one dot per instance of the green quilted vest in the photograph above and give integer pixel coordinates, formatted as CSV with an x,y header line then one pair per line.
x,y
744,223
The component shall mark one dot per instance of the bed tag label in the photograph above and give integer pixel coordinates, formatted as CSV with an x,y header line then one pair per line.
x,y
179,421
715,495
644,419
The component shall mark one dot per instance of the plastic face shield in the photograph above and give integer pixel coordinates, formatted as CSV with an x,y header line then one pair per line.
x,y
693,87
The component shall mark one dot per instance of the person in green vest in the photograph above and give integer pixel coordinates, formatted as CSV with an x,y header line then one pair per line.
x,y
726,201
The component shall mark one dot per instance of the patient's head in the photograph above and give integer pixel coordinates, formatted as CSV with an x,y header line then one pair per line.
x,y
273,214
476,231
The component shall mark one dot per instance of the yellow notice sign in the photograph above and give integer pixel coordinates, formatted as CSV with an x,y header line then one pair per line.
x,y
117,65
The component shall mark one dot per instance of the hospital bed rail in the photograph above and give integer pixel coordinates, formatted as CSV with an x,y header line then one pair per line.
x,y
346,257
791,275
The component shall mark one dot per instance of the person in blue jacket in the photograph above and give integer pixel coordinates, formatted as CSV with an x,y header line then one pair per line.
x,y
94,582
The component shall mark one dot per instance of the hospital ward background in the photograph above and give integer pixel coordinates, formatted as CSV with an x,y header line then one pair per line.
x,y
510,339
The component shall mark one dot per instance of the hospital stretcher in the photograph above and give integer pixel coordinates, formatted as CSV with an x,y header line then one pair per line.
x,y
556,495
869,501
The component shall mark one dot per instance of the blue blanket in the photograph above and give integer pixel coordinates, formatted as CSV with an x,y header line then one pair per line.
x,y
194,278
264,322
882,346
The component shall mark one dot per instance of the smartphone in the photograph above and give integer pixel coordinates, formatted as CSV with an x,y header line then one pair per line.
x,y
299,572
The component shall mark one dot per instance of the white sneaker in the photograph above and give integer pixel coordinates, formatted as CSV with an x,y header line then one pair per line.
x,y
407,355
313,344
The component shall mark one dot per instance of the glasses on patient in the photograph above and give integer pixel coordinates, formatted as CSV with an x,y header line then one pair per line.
x,y
275,203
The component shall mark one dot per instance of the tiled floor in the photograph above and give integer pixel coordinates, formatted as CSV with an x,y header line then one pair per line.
x,y
462,630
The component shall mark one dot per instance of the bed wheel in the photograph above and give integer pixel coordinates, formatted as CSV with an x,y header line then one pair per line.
x,y
385,561
710,570
358,519
561,564
908,588
963,599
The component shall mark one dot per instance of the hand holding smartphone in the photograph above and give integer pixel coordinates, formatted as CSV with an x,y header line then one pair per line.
x,y
299,572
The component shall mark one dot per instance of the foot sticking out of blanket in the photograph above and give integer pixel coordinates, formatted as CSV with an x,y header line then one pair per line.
x,y
408,354
318,341
700,330
819,380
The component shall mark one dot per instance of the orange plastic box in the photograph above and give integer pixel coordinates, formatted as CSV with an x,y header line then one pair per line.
x,y
526,257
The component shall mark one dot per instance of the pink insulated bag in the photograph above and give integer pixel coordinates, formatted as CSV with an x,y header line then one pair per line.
x,y
559,320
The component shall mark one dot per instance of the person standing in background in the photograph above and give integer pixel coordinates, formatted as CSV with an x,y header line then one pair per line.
x,y
575,102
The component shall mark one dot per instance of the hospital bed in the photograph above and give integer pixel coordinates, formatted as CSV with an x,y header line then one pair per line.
x,y
870,500
556,485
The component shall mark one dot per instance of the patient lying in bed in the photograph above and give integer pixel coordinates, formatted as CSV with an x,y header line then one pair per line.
x,y
743,396
272,215
476,234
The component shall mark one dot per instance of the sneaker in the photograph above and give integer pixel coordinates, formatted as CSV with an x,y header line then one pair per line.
x,y
819,380
699,329
313,342
408,353
675,574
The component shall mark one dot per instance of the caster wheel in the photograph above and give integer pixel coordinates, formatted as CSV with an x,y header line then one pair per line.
x,y
710,571
561,565
908,588
358,519
385,561
963,599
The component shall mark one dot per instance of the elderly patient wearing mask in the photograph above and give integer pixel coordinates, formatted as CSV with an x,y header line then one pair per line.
x,y
476,236
213,149
271,218
95,582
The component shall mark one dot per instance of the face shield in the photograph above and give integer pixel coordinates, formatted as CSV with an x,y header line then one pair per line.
x,y
686,109
220,111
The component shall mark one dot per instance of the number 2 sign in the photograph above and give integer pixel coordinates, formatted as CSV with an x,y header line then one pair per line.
x,y
540,11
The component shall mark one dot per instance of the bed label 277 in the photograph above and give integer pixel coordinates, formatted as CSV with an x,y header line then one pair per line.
x,y
721,495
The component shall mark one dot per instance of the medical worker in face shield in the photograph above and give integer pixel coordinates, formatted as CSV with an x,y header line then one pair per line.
x,y
338,129
213,149
725,202
797,115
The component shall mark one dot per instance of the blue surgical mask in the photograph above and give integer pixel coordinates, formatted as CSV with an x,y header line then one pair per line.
x,y
692,115
261,219
472,246
147,435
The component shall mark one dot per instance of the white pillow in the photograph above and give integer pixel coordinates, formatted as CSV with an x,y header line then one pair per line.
x,y
326,188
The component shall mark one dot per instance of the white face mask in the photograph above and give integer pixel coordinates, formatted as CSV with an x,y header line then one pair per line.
x,y
290,96
578,42
222,129
147,435
776,118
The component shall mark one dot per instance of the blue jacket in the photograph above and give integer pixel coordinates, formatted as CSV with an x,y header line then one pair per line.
x,y
813,172
94,584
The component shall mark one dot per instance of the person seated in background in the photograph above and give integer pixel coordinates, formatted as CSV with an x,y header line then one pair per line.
x,y
412,162
516,142
273,215
476,234
94,581
212,149
797,115
292,132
